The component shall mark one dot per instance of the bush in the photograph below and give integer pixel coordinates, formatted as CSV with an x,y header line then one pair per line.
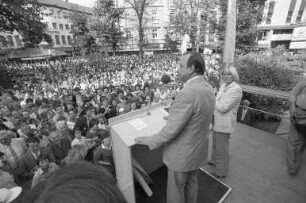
x,y
273,69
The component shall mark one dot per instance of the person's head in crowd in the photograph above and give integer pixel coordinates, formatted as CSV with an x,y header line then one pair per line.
x,y
70,106
26,131
5,111
133,105
77,133
105,90
77,183
6,137
230,75
59,110
33,144
191,64
114,103
30,102
137,87
93,124
71,114
246,103
55,138
104,101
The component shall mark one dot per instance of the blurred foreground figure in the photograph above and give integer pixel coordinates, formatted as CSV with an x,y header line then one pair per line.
x,y
77,183
297,133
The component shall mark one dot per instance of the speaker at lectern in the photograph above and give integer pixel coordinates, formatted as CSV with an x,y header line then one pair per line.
x,y
128,155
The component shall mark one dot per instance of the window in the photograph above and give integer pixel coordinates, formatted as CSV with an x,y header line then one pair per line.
x,y
67,26
154,15
301,11
290,11
57,40
270,12
63,39
17,40
54,26
154,34
69,40
61,26
262,35
10,41
171,16
284,31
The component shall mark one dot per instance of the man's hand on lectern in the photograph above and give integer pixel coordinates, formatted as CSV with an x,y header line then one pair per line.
x,y
142,140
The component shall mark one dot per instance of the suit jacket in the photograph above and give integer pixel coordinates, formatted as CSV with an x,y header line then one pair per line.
x,y
29,162
185,134
227,103
247,118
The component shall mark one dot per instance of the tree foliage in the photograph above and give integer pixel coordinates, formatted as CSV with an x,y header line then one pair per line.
x,y
140,6
105,23
25,17
192,17
273,69
249,14
82,38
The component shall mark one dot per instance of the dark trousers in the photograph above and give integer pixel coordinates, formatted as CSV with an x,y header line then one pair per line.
x,y
296,146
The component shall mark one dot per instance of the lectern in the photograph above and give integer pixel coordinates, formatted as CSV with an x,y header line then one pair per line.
x,y
124,129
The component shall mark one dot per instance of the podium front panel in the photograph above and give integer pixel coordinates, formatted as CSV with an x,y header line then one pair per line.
x,y
124,129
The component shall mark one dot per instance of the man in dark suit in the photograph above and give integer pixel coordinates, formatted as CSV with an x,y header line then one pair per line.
x,y
59,147
185,135
245,115
30,160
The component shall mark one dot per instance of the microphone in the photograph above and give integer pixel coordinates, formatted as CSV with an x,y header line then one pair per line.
x,y
165,79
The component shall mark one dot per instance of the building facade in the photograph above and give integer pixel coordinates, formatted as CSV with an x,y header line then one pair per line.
x,y
56,15
157,18
284,23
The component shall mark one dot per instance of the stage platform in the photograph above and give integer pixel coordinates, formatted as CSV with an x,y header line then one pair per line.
x,y
258,170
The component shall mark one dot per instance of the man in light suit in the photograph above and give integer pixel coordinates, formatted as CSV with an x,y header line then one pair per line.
x,y
185,135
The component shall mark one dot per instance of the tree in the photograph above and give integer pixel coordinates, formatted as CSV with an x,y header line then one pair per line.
x,y
105,23
249,14
82,38
25,17
140,6
192,17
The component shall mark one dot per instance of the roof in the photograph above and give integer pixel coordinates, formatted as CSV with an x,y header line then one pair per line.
x,y
66,5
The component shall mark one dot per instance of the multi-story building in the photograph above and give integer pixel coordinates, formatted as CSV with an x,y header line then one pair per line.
x,y
157,19
56,15
284,23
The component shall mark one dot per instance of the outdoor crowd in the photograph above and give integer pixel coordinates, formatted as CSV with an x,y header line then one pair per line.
x,y
58,111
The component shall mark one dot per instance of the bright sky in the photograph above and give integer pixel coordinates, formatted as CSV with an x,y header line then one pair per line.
x,y
88,3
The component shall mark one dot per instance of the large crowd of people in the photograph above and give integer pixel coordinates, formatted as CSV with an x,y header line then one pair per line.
x,y
58,111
